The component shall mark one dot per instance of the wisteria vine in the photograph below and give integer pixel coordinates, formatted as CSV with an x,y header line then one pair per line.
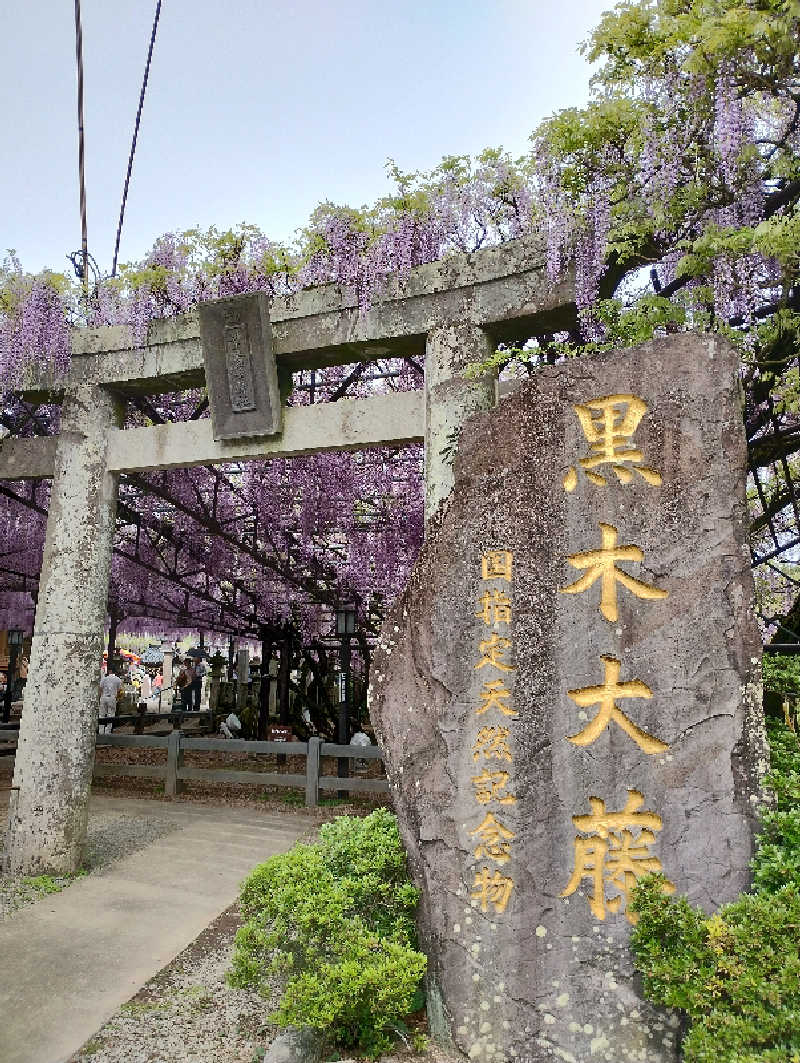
x,y
671,199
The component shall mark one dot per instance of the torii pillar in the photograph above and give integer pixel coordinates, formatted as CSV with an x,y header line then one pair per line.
x,y
53,770
450,399
49,802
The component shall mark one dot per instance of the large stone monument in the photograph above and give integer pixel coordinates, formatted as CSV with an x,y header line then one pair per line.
x,y
568,697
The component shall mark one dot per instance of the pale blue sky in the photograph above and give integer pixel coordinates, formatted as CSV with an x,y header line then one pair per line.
x,y
256,111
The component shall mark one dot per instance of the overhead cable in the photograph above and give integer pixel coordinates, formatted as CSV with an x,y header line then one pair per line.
x,y
81,176
135,136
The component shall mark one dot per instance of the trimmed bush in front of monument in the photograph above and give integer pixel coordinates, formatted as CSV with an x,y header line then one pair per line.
x,y
781,677
334,922
777,859
735,974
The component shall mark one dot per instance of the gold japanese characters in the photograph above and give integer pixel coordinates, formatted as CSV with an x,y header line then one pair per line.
x,y
491,750
612,855
606,697
608,425
612,849
601,565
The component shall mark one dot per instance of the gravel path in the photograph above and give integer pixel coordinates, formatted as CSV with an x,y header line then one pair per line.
x,y
110,837
188,1014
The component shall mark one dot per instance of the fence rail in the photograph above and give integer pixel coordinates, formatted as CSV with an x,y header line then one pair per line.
x,y
173,772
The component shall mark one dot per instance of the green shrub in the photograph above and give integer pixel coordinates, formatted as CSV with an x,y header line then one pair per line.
x,y
735,974
777,859
47,883
781,674
335,921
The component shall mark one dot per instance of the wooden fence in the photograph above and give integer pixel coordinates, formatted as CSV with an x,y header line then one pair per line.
x,y
174,771
176,717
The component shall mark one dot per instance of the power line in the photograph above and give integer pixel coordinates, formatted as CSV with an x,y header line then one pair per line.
x,y
135,135
81,177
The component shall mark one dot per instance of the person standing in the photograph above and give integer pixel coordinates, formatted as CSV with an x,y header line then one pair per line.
x,y
110,690
184,682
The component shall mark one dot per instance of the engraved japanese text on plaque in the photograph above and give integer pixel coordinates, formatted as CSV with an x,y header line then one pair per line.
x,y
241,374
239,365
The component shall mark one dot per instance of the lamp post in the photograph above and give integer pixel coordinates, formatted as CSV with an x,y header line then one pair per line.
x,y
345,629
15,637
264,690
218,662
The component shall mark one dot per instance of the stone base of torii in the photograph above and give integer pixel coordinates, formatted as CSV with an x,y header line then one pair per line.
x,y
452,313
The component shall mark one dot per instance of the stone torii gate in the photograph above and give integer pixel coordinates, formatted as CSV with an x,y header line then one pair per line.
x,y
452,313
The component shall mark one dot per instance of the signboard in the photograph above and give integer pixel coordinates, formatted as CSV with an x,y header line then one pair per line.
x,y
241,374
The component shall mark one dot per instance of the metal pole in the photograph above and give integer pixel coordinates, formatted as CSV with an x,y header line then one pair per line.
x,y
263,705
12,669
343,767
284,676
112,637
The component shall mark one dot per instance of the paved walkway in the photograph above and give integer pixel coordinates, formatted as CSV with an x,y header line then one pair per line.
x,y
70,960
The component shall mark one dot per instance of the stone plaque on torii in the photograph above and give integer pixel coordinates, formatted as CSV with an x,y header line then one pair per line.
x,y
240,367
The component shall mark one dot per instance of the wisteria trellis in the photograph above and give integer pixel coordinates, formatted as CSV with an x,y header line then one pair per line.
x,y
674,197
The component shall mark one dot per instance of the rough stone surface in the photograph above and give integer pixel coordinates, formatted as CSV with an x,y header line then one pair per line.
x,y
27,458
550,977
53,768
295,1046
504,289
348,424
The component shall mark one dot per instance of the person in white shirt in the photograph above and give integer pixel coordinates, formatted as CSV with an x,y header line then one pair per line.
x,y
110,687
